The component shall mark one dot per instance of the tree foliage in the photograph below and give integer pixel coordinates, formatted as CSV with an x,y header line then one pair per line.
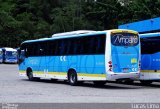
x,y
31,19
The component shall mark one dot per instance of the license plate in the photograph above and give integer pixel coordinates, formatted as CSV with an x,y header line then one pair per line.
x,y
11,60
125,70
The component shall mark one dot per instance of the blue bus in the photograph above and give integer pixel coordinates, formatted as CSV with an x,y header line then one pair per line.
x,y
150,58
10,55
1,55
97,56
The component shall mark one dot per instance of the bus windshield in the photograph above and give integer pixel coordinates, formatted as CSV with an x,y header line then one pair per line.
x,y
124,39
11,53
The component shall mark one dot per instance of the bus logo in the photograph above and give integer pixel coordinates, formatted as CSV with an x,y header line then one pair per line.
x,y
124,39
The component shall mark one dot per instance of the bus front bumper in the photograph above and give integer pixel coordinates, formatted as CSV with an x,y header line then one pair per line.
x,y
10,61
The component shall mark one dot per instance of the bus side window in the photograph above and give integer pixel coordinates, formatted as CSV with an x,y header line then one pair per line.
x,y
35,49
50,50
89,46
42,50
85,44
101,44
56,48
98,45
45,48
76,46
32,46
68,47
26,51
22,53
80,46
73,46
63,47
71,50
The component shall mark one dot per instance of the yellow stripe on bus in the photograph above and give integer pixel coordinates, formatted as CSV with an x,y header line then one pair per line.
x,y
65,73
22,71
35,72
91,75
150,71
57,73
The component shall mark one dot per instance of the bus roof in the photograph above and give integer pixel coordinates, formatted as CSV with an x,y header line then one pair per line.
x,y
73,33
9,49
65,36
150,35
79,33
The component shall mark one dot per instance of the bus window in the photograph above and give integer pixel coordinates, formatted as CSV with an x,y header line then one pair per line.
x,y
68,47
42,49
153,43
22,53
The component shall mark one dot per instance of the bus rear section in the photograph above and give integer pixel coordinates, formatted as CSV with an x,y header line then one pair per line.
x,y
125,55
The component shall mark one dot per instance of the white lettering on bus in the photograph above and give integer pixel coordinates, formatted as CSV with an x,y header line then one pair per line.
x,y
126,40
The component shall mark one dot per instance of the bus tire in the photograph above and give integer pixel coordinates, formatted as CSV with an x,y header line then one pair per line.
x,y
72,78
146,82
99,83
30,75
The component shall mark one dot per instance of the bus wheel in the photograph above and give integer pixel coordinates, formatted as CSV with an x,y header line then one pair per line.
x,y
30,75
72,78
99,83
145,82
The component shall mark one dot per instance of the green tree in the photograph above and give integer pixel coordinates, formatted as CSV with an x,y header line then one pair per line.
x,y
31,19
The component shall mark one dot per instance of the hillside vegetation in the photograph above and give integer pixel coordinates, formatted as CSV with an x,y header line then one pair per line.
x,y
31,19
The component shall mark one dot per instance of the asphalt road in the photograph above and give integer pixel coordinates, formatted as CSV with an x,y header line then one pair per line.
x,y
14,89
